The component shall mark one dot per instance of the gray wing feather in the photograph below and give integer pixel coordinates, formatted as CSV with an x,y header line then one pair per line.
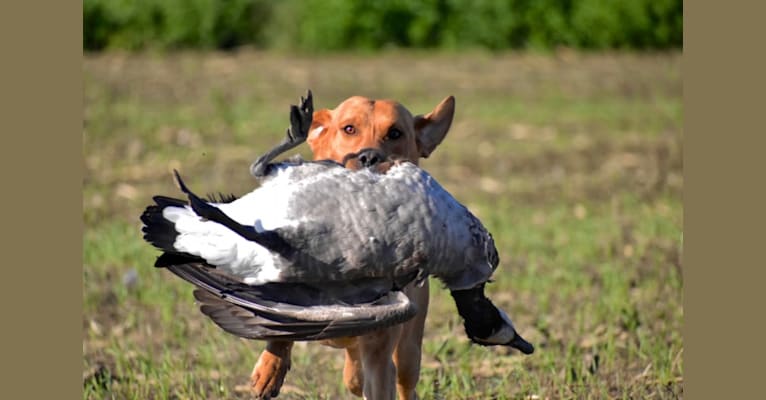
x,y
245,323
264,312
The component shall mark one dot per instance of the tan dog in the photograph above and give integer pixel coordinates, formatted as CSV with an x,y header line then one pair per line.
x,y
380,361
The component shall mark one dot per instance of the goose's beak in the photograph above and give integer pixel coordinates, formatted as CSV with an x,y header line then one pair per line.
x,y
521,345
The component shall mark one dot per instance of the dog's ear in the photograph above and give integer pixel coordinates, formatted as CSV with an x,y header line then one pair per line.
x,y
431,128
320,123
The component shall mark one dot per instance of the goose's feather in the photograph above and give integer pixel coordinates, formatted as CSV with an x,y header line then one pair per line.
x,y
294,311
339,225
320,251
243,322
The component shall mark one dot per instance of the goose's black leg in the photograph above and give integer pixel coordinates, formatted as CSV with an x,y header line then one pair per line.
x,y
300,123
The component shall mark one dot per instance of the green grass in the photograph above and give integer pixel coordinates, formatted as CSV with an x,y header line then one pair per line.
x,y
572,161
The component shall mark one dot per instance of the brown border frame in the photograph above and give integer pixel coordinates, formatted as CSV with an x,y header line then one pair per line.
x,y
42,182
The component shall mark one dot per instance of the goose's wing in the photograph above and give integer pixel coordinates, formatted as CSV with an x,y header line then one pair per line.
x,y
295,311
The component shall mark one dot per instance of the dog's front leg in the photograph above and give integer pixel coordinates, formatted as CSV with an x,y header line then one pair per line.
x,y
270,370
353,374
409,349
376,350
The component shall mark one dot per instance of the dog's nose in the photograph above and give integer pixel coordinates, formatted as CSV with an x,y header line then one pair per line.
x,y
370,157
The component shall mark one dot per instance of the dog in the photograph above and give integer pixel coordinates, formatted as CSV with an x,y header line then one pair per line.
x,y
383,363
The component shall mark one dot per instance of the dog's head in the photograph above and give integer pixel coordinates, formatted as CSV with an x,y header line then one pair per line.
x,y
360,123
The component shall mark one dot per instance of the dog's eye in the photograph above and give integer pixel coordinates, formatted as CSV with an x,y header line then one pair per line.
x,y
394,134
349,129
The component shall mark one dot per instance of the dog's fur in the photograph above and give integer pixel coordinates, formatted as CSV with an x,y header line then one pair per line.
x,y
381,363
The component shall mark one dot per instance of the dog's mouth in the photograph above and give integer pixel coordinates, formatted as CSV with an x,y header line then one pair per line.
x,y
369,158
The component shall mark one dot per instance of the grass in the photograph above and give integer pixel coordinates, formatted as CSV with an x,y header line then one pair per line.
x,y
573,161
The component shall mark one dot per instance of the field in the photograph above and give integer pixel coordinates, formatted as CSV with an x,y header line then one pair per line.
x,y
573,161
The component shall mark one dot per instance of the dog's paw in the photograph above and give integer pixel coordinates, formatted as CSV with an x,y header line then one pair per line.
x,y
268,375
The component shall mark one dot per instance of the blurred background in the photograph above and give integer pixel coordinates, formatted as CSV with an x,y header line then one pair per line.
x,y
567,142
322,25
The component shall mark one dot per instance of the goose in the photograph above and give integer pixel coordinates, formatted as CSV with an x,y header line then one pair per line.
x,y
322,249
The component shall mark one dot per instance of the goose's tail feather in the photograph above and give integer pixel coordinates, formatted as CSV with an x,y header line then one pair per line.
x,y
161,232
198,231
158,230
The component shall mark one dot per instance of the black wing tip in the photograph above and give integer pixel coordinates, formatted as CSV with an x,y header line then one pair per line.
x,y
168,259
164,201
194,200
179,181
221,198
